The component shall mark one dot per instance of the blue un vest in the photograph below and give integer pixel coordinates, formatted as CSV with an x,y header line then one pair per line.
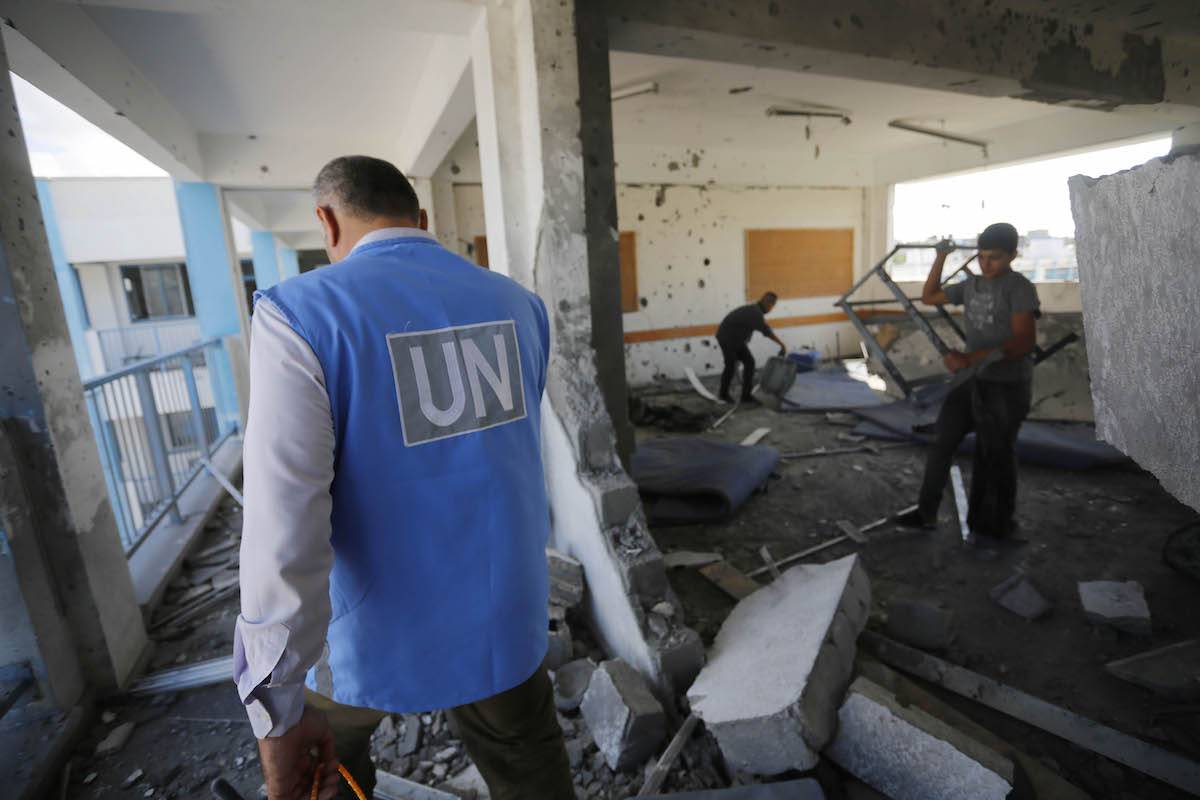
x,y
435,370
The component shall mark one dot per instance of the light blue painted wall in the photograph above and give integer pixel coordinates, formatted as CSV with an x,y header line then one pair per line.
x,y
289,263
266,261
210,276
68,283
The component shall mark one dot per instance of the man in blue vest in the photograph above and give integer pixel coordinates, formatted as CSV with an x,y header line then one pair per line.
x,y
393,550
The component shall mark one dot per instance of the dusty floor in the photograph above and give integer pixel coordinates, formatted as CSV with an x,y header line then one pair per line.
x,y
1104,524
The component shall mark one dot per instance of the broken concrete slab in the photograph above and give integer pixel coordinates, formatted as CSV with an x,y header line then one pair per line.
x,y
803,789
921,623
1172,672
625,720
1136,238
780,664
908,754
1121,604
566,579
1021,596
115,739
469,783
571,683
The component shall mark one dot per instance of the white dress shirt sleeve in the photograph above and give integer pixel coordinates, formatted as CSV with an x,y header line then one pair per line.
x,y
285,554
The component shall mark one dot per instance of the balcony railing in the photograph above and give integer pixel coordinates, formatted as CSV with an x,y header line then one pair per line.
x,y
156,423
120,347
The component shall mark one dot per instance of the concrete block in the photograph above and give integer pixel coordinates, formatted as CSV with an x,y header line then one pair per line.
x,y
779,667
907,754
1172,672
615,495
921,623
679,658
566,579
803,789
571,682
1137,238
1120,604
1019,595
115,740
626,721
559,647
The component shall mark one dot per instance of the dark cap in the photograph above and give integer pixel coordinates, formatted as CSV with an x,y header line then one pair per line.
x,y
999,236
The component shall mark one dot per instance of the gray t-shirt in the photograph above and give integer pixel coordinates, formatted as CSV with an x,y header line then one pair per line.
x,y
990,304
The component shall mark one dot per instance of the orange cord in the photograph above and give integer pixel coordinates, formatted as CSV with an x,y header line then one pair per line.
x,y
354,787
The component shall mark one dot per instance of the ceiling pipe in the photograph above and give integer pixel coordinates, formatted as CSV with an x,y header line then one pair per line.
x,y
950,137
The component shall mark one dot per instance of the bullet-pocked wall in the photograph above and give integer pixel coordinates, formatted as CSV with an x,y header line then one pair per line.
x,y
689,245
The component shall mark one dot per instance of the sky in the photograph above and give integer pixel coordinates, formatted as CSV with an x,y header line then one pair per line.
x,y
63,144
1032,196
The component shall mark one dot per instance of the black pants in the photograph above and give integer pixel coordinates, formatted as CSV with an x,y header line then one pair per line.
x,y
733,353
994,410
513,738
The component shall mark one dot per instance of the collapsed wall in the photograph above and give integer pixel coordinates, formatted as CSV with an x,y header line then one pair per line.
x,y
1136,240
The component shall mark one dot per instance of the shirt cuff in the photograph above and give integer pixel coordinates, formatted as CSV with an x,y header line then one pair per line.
x,y
274,710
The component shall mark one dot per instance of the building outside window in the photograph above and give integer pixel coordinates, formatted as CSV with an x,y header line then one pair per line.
x,y
156,291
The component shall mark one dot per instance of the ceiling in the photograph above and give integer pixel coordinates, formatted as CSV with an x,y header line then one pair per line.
x,y
316,78
706,103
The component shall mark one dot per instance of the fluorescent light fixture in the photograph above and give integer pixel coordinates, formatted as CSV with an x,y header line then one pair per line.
x,y
780,111
647,87
950,137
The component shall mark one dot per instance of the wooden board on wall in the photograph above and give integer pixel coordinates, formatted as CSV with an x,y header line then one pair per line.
x,y
481,257
799,262
627,245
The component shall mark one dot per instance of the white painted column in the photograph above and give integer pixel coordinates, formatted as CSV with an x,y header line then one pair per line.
x,y
445,214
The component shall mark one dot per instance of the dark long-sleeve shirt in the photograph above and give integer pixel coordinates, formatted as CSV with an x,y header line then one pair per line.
x,y
741,323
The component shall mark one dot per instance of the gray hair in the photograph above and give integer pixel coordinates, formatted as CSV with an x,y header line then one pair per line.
x,y
367,188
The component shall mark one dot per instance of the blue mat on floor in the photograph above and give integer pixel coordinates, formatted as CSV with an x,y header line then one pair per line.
x,y
688,479
837,387
1050,444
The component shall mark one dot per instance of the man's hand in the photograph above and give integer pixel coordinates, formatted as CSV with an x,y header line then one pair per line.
x,y
289,761
945,247
783,350
956,361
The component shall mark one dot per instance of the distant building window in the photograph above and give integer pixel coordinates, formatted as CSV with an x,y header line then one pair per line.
x,y
156,291
1062,274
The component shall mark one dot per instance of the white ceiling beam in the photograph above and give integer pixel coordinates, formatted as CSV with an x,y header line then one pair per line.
x,y
58,48
441,109
413,16
308,240
281,210
1057,133
284,162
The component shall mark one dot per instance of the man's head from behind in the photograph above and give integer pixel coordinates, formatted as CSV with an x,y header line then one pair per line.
x,y
997,248
358,194
768,301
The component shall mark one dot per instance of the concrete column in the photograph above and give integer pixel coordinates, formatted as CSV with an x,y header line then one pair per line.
x,y
266,259
445,215
289,263
215,277
60,536
68,282
549,205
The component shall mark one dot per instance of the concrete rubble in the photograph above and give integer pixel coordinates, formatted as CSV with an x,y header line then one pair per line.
x,y
804,789
907,754
1121,604
921,623
116,739
566,579
779,666
1019,595
571,683
626,721
1172,672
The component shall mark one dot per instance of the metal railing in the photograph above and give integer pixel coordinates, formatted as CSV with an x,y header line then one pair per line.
x,y
156,423
121,347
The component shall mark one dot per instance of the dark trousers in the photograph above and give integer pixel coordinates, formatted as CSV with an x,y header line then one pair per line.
x,y
513,738
734,353
994,410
